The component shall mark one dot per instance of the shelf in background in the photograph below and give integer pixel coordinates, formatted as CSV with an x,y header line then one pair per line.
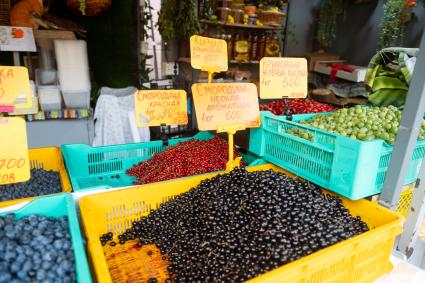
x,y
187,60
242,26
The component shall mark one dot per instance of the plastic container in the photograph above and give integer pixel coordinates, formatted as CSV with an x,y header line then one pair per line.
x,y
49,97
73,68
78,99
105,166
59,206
47,158
46,77
222,13
352,168
360,259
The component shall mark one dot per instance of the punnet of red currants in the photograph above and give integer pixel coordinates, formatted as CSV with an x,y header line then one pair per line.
x,y
187,158
297,106
239,225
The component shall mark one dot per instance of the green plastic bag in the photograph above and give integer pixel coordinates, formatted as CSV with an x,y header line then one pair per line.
x,y
389,75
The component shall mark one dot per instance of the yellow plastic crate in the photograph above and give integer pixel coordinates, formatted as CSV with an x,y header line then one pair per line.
x,y
359,259
47,158
405,199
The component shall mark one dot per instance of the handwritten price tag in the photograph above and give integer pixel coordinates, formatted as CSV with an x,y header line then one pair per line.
x,y
208,52
283,77
156,107
14,163
225,104
14,83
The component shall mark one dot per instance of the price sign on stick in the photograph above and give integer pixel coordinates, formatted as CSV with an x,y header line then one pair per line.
x,y
283,77
208,54
156,107
14,163
14,83
220,105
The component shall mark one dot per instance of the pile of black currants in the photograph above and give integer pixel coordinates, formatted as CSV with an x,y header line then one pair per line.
x,y
42,182
237,226
36,248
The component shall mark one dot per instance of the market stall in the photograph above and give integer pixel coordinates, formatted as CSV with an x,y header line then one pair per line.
x,y
230,162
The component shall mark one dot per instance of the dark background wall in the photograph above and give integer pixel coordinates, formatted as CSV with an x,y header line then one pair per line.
x,y
358,29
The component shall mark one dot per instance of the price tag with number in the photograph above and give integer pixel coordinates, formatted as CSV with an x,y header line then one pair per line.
x,y
283,77
14,83
225,104
14,163
156,107
208,53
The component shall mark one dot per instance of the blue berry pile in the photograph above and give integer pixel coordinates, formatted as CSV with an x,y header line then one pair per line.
x,y
42,182
35,249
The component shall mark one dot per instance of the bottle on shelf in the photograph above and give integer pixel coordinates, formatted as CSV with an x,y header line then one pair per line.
x,y
207,10
253,54
229,41
241,48
261,46
272,46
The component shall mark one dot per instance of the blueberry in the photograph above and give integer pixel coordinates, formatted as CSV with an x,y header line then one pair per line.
x,y
45,265
41,274
25,238
58,244
27,266
22,275
15,267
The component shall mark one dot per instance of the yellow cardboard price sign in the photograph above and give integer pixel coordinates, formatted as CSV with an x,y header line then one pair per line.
x,y
220,105
14,83
14,162
283,77
208,53
156,107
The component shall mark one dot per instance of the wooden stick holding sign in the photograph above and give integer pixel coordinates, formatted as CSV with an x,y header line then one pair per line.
x,y
14,162
226,107
283,77
14,84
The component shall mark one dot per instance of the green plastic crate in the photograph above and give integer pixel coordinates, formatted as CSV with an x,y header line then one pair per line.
x,y
104,167
57,206
352,168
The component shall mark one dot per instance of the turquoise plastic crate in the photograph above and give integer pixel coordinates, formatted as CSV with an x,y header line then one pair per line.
x,y
104,167
58,206
352,168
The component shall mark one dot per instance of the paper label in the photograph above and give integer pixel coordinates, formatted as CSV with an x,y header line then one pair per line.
x,y
14,83
208,52
17,39
156,107
14,162
225,104
283,77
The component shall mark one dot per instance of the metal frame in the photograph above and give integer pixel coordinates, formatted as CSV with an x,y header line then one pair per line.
x,y
403,149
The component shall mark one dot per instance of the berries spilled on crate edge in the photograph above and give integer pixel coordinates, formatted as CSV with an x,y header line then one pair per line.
x,y
236,226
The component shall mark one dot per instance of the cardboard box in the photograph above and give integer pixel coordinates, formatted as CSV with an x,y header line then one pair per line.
x,y
325,67
312,58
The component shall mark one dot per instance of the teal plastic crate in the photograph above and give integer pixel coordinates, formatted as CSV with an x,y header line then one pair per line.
x,y
352,168
58,206
104,167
